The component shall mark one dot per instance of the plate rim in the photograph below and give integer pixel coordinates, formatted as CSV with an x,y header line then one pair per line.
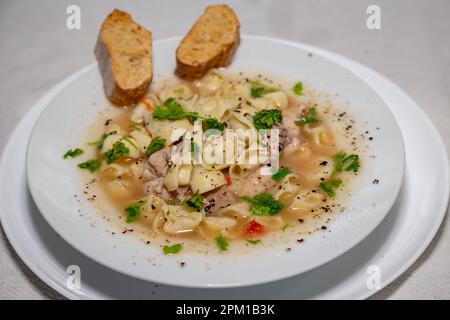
x,y
329,54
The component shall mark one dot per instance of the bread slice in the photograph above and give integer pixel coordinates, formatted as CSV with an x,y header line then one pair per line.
x,y
210,43
124,55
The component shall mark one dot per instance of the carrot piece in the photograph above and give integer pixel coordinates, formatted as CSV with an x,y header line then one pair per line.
x,y
147,104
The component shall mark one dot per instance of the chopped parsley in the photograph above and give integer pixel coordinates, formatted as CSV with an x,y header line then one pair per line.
x,y
179,90
345,162
280,174
195,150
91,165
133,211
264,204
193,116
298,88
157,144
212,123
99,143
259,89
195,202
73,153
331,186
130,141
256,241
134,127
170,110
117,151
309,118
173,249
222,243
285,226
265,119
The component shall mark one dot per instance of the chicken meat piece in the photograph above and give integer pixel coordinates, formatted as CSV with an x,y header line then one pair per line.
x,y
219,199
159,161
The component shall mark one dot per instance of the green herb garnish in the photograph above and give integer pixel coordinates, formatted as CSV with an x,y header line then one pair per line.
x,y
298,88
195,150
131,142
285,226
280,174
73,153
173,249
331,186
352,163
99,143
345,162
309,118
91,165
257,241
133,211
179,90
170,110
212,123
195,202
222,243
257,92
259,89
265,119
193,116
134,127
264,204
157,144
117,151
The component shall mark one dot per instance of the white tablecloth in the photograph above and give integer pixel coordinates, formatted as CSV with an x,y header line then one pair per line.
x,y
412,48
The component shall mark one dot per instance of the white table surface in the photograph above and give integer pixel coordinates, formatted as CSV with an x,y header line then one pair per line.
x,y
412,49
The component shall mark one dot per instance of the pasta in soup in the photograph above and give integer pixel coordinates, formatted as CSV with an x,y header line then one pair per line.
x,y
269,159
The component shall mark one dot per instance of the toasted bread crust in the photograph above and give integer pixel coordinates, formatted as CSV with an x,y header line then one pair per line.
x,y
210,43
121,85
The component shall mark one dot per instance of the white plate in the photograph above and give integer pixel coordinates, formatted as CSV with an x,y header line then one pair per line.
x,y
53,182
393,246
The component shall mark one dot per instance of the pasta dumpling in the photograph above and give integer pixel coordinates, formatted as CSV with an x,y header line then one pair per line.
x,y
211,83
177,176
288,187
179,219
171,131
142,139
219,224
179,91
205,180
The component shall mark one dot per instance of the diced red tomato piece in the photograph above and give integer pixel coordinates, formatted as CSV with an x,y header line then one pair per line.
x,y
254,228
228,180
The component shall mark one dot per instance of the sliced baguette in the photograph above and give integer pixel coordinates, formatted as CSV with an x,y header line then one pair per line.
x,y
124,55
210,43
